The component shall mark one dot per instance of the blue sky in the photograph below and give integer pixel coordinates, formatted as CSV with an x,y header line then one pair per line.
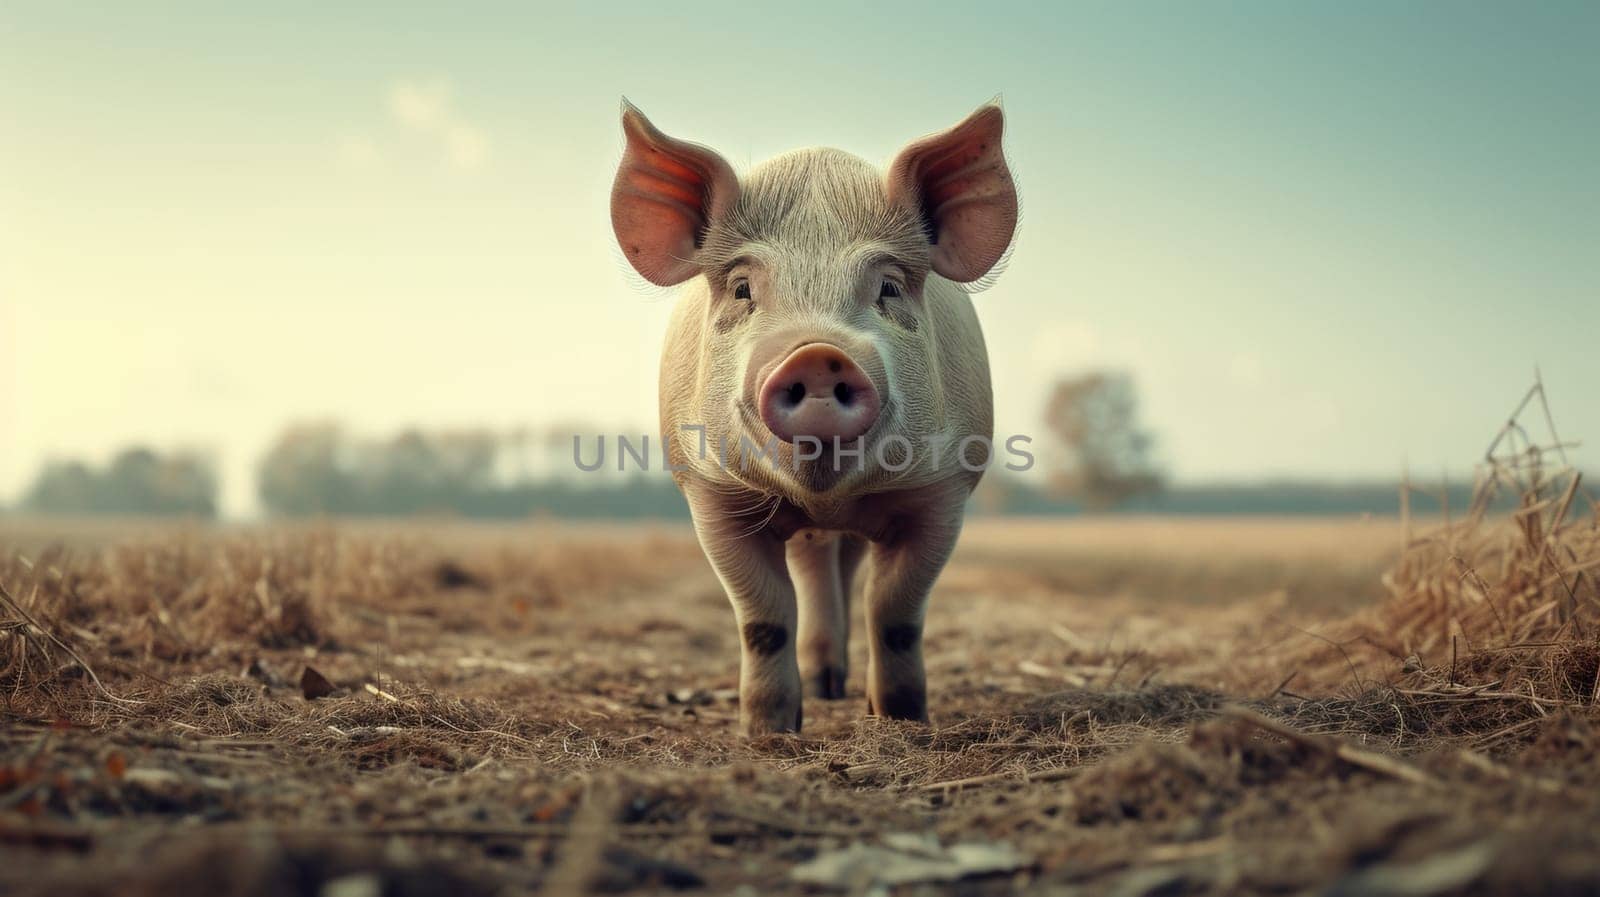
x,y
1327,238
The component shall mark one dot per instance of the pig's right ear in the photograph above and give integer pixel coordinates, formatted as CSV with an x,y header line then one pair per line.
x,y
666,194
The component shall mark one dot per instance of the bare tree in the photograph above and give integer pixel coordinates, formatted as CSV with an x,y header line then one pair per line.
x,y
1095,421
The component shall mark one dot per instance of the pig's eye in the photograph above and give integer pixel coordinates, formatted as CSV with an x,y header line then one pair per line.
x,y
889,290
741,290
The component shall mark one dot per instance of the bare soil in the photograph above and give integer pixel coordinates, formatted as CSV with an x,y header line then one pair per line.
x,y
1131,707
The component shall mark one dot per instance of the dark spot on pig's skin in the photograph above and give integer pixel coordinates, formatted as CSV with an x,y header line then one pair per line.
x,y
827,684
901,637
765,638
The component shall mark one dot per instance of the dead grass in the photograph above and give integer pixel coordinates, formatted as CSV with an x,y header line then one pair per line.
x,y
529,710
1491,624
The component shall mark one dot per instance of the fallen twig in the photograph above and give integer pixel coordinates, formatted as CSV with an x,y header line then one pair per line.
x,y
1049,775
380,693
1354,756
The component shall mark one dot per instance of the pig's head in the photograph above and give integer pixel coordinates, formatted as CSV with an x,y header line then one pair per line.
x,y
816,265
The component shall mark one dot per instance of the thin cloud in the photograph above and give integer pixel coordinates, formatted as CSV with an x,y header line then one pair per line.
x,y
421,105
428,108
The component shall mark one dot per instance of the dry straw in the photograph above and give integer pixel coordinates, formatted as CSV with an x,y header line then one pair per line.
x,y
1493,618
1484,582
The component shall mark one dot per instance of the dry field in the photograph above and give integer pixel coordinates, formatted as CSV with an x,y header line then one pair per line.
x,y
1121,706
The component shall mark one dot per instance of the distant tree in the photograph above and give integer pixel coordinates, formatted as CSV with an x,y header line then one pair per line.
x,y
1095,421
185,483
138,481
62,487
305,472
319,468
134,479
405,476
466,458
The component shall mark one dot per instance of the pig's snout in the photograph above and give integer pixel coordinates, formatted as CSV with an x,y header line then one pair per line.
x,y
819,392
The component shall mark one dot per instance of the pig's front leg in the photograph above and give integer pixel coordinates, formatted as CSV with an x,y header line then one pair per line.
x,y
749,559
820,565
904,566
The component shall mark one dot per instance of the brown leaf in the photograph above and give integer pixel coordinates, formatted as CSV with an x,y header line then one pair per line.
x,y
314,685
547,812
116,765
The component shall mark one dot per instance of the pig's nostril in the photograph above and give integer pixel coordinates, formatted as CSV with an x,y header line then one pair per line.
x,y
797,393
843,393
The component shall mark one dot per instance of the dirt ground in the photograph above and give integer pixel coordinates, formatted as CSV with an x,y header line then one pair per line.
x,y
1123,706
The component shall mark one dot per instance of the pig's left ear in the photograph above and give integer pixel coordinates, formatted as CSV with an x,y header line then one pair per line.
x,y
666,194
957,181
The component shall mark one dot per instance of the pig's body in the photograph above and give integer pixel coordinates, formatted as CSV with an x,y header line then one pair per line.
x,y
813,304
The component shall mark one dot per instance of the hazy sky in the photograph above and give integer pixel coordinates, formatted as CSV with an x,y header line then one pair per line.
x,y
1325,238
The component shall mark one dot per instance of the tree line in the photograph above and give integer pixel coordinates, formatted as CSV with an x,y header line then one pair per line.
x,y
1096,452
136,481
323,469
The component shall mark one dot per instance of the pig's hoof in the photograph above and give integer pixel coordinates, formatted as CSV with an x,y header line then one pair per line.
x,y
770,718
826,683
900,703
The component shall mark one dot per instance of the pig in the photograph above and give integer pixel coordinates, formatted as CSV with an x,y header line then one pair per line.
x,y
824,387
